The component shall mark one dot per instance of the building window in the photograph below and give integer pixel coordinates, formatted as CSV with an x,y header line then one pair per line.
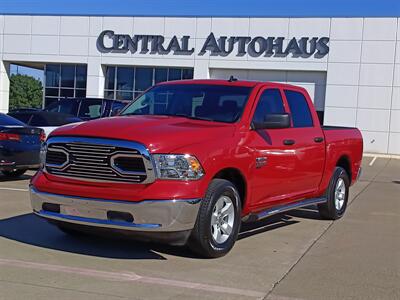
x,y
64,80
126,83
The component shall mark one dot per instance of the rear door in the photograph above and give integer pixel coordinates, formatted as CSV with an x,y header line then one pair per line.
x,y
307,142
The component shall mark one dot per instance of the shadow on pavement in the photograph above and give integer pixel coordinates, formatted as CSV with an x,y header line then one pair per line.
x,y
23,177
32,230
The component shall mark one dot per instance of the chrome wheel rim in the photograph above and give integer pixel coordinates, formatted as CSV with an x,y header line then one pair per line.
x,y
340,194
222,219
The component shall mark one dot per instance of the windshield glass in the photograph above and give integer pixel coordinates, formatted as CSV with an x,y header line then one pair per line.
x,y
221,103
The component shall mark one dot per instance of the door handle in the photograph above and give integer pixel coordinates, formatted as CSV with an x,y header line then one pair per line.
x,y
318,139
289,142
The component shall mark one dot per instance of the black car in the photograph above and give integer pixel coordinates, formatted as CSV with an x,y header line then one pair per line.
x,y
19,146
88,108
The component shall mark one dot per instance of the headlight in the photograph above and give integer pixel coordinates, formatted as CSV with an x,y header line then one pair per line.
x,y
43,150
178,166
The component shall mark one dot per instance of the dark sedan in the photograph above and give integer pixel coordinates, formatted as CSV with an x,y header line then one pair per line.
x,y
19,146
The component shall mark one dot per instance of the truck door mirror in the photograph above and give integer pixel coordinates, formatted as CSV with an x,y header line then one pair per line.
x,y
273,121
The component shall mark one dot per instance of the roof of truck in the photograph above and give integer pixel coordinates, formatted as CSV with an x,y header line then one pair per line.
x,y
234,82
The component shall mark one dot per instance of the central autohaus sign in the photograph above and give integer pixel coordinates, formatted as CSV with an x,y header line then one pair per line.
x,y
108,41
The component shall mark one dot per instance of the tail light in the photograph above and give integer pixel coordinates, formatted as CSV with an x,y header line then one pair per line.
x,y
10,137
42,136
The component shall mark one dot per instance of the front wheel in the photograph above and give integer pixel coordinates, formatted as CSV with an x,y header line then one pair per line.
x,y
218,221
337,196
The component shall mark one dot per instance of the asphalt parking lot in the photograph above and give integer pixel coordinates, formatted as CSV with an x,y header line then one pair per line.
x,y
292,256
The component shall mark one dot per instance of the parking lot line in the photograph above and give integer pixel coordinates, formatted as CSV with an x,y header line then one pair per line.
x,y
130,276
13,189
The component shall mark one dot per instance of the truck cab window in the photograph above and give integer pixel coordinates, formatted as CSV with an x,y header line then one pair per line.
x,y
270,103
301,114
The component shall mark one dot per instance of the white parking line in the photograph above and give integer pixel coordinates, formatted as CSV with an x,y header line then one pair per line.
x,y
373,161
130,276
13,189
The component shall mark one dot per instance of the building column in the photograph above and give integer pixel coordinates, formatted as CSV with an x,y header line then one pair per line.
x,y
4,86
201,69
95,78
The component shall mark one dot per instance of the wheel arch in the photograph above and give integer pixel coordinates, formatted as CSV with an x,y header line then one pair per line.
x,y
345,163
235,176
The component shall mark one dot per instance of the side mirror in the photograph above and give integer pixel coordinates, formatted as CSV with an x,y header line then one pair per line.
x,y
273,121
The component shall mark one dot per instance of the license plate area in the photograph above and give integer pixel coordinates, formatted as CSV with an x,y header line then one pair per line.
x,y
83,212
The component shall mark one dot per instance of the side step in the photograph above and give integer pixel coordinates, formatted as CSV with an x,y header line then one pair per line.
x,y
282,208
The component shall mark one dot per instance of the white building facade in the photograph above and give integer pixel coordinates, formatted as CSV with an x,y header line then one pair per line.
x,y
350,66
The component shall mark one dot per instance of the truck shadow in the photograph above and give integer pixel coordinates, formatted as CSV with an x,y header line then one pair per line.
x,y
23,177
32,230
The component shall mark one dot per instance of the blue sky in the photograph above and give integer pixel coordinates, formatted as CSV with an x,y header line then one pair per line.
x,y
257,8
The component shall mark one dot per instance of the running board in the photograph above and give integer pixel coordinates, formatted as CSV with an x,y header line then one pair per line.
x,y
282,208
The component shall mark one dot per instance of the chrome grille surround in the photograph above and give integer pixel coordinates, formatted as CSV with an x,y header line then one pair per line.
x,y
92,159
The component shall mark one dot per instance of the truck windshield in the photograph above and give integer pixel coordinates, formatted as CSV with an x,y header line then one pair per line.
x,y
220,103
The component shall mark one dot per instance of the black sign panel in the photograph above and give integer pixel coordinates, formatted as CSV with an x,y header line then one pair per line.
x,y
108,41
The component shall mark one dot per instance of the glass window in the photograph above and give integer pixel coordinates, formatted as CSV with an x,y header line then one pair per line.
x,y
109,94
80,93
133,81
81,76
161,75
67,75
38,120
7,120
65,106
64,80
66,92
124,95
52,75
110,78
117,107
143,78
90,109
174,74
187,73
299,109
195,101
270,102
52,92
125,78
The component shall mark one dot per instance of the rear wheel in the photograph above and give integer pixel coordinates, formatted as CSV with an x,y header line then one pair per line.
x,y
337,195
14,173
218,222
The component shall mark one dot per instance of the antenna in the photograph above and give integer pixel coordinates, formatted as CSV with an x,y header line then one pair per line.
x,y
232,79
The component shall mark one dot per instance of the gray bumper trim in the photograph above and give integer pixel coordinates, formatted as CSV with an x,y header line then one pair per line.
x,y
149,215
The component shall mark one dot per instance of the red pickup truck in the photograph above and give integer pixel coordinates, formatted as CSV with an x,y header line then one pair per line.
x,y
187,162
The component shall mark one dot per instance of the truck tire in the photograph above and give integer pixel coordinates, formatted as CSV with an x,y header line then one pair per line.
x,y
218,221
14,173
337,195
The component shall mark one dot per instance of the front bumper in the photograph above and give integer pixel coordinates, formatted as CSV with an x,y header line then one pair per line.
x,y
148,215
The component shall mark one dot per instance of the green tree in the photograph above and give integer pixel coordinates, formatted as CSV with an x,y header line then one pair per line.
x,y
25,92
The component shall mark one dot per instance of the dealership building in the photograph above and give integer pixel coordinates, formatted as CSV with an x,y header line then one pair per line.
x,y
350,66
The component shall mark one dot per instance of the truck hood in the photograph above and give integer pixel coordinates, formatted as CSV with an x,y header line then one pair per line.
x,y
160,134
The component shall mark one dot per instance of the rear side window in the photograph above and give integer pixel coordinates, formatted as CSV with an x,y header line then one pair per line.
x,y
301,114
90,109
270,103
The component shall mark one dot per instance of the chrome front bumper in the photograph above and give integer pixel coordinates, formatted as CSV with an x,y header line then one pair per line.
x,y
148,215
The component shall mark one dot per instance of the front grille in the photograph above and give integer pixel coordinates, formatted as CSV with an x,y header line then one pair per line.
x,y
57,158
98,160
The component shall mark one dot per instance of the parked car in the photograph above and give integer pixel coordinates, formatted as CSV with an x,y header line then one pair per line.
x,y
69,110
88,108
188,161
19,146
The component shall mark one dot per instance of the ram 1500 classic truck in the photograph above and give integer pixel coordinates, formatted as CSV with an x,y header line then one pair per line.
x,y
189,161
